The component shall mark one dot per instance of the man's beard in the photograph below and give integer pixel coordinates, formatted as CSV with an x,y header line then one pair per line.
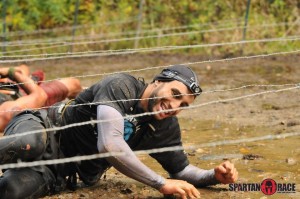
x,y
152,101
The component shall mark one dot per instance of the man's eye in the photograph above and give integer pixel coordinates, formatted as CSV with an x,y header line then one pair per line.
x,y
176,95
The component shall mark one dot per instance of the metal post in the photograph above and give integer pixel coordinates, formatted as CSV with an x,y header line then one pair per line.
x,y
4,26
245,25
139,25
74,25
246,19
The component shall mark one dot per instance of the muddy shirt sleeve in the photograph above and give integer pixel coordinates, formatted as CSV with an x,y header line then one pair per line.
x,y
110,139
196,176
175,162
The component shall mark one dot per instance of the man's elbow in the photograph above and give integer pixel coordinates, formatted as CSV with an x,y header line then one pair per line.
x,y
40,98
5,118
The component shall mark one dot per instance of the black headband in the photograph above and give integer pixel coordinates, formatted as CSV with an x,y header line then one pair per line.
x,y
190,83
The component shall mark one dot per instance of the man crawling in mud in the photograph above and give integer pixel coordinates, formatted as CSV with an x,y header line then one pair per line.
x,y
118,102
21,90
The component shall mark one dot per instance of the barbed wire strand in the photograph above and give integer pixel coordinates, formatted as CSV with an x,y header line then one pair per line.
x,y
82,37
64,40
75,42
155,49
163,66
66,44
143,152
150,113
20,33
128,100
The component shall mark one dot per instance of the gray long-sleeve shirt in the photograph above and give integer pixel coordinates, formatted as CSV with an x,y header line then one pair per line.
x,y
115,97
111,139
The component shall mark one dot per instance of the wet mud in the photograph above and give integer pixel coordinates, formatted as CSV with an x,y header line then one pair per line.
x,y
220,114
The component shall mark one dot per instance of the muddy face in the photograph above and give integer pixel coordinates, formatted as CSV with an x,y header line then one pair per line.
x,y
167,96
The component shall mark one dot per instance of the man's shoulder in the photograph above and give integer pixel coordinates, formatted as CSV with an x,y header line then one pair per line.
x,y
125,81
122,76
120,79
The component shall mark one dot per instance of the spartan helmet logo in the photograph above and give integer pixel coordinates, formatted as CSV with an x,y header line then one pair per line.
x,y
268,187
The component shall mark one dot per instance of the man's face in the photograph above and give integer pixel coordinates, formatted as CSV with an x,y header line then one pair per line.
x,y
169,95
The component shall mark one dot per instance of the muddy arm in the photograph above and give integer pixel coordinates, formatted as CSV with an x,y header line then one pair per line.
x,y
196,176
110,139
36,96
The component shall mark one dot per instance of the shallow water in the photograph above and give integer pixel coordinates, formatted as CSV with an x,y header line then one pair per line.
x,y
255,161
279,158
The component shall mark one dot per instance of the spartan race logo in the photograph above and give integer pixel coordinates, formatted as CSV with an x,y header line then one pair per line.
x,y
268,187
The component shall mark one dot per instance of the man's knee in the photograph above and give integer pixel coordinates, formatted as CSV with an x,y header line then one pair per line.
x,y
24,183
33,146
27,147
8,189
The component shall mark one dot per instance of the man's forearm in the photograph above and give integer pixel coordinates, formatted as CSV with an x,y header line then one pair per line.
x,y
196,176
110,139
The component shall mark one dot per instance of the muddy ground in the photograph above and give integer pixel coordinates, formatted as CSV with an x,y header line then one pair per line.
x,y
218,114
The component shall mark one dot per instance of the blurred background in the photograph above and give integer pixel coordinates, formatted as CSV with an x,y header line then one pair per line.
x,y
246,54
36,27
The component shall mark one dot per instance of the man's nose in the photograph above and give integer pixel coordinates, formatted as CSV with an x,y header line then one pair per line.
x,y
175,104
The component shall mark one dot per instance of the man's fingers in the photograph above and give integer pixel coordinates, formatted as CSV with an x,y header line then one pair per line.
x,y
235,175
227,165
226,168
226,173
221,169
195,193
180,187
191,191
231,171
181,193
232,176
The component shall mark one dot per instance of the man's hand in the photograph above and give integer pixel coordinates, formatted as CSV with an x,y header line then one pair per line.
x,y
3,72
226,173
183,188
